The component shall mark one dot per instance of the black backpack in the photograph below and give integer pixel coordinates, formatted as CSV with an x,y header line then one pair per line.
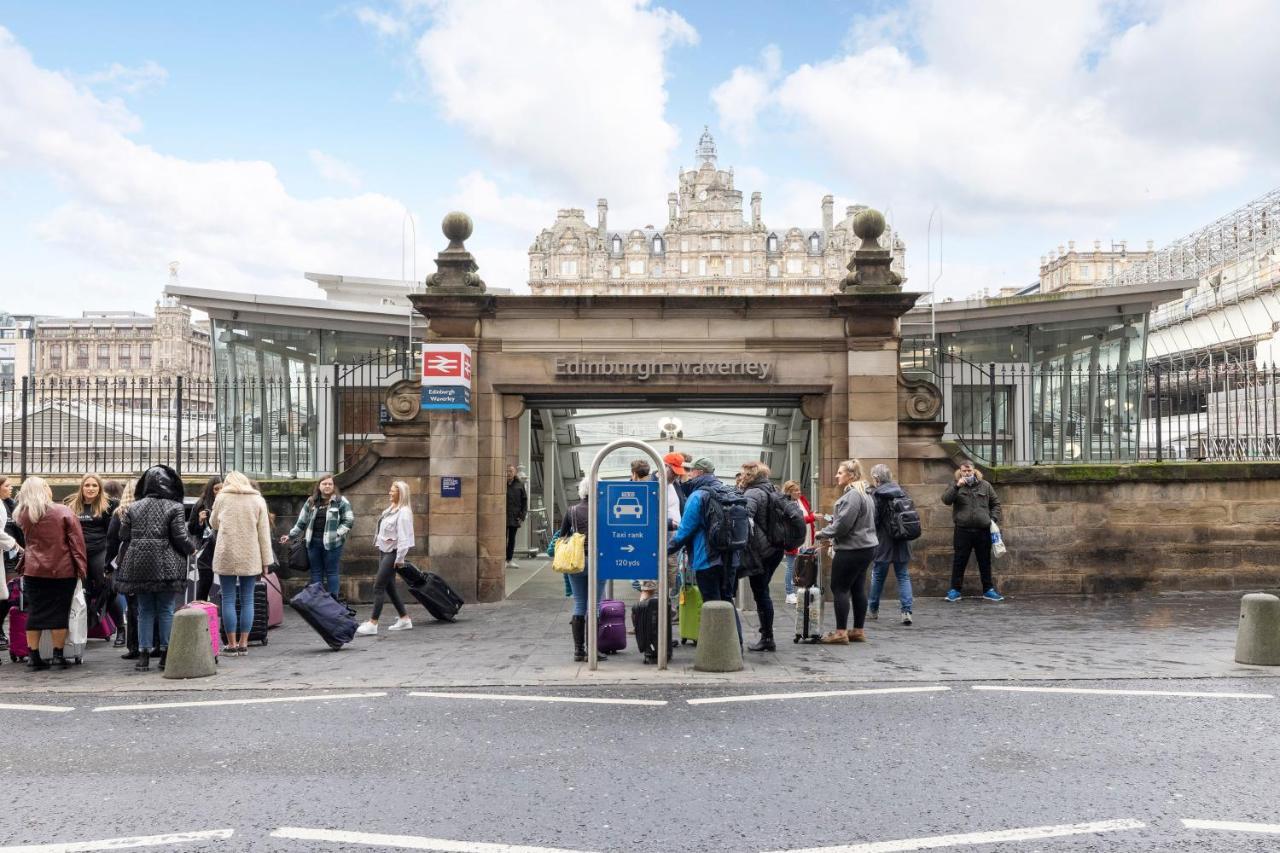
x,y
785,527
904,519
727,522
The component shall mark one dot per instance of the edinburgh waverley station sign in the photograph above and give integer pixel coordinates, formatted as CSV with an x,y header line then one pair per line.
x,y
642,370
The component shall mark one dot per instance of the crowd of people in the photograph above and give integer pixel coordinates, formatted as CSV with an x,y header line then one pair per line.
x,y
865,532
134,550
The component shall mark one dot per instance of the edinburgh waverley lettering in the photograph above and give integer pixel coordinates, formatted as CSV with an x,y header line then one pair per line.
x,y
644,369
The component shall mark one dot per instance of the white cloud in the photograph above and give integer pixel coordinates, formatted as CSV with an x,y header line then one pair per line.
x,y
739,99
505,225
383,23
132,209
335,170
130,80
572,91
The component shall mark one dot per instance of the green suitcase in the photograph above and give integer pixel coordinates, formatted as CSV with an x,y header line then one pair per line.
x,y
690,613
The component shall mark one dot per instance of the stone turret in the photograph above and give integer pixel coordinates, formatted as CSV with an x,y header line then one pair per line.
x,y
755,211
828,214
672,204
602,218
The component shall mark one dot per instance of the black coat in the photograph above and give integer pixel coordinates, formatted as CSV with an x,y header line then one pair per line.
x,y
888,550
763,552
517,502
154,529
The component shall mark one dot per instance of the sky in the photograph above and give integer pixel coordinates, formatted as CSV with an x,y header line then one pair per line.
x,y
253,142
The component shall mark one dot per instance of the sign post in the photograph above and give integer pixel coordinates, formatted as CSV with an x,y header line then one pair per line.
x,y
627,539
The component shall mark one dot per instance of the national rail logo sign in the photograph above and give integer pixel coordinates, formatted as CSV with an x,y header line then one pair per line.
x,y
446,364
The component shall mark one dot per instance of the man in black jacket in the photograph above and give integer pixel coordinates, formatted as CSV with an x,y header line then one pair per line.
x,y
974,506
517,509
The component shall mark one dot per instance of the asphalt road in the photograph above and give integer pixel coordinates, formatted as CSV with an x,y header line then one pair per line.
x,y
771,775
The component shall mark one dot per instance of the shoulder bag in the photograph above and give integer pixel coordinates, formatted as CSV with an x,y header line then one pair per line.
x,y
571,552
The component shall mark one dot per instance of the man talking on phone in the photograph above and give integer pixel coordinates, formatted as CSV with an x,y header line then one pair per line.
x,y
974,506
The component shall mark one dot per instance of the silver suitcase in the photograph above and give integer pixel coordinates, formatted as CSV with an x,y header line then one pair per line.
x,y
808,614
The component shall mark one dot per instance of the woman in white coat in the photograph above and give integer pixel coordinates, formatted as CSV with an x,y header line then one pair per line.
x,y
393,541
240,516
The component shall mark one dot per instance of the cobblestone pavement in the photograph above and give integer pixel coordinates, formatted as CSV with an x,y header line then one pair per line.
x,y
525,641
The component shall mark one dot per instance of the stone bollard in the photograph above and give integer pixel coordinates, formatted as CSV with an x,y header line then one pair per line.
x,y
719,649
190,653
1258,634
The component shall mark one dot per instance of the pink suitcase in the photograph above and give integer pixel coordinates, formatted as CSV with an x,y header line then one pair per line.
x,y
105,629
215,624
275,600
18,648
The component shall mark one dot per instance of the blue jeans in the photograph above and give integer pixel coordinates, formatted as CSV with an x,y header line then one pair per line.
x,y
150,606
879,571
237,587
324,564
578,582
789,580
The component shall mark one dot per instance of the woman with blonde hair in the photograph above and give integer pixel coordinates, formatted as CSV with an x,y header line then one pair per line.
x,y
94,507
239,515
53,560
393,541
852,532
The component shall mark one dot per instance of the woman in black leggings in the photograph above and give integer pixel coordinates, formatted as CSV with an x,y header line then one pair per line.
x,y
852,532
393,541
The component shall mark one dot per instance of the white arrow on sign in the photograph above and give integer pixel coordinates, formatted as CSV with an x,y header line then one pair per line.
x,y
441,363
627,548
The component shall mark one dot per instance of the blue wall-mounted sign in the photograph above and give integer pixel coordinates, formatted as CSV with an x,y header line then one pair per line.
x,y
628,525
450,487
446,397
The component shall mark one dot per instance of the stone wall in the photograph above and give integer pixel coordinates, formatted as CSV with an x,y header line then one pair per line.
x,y
1154,527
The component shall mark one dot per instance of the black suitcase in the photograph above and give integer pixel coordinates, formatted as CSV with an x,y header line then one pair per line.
x,y
432,592
325,615
258,631
644,616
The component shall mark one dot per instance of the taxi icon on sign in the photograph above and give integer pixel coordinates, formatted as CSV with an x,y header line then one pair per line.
x,y
628,505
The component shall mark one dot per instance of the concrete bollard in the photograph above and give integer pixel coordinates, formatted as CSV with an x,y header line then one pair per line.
x,y
718,647
190,653
1258,634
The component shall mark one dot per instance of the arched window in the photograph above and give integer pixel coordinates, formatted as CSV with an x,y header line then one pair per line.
x,y
773,243
617,245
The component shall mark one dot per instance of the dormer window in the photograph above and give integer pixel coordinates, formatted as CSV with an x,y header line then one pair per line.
x,y
617,245
658,245
814,243
773,243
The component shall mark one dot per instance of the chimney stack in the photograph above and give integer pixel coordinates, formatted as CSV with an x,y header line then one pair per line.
x,y
828,213
671,208
755,210
602,218
1071,244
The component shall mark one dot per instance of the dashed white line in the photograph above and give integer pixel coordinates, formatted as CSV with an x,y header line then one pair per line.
x,y
175,838
934,842
818,694
154,706
52,709
1233,826
408,842
1095,691
518,697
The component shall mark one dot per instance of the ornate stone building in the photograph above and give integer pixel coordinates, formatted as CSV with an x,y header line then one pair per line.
x,y
708,246
1070,268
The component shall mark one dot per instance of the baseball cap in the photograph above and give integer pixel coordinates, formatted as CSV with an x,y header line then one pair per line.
x,y
676,461
704,464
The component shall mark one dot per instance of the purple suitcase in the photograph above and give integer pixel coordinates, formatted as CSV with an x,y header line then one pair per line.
x,y
613,626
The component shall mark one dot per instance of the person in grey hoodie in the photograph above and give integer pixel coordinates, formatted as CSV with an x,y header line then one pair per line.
x,y
852,532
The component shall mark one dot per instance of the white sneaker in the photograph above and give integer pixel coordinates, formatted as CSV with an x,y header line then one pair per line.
x,y
791,599
404,623
367,629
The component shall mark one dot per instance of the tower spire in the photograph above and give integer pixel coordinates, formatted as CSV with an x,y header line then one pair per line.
x,y
706,151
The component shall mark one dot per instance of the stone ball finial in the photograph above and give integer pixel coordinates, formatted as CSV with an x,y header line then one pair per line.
x,y
457,226
868,224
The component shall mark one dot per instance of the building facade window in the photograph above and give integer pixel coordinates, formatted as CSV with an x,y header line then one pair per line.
x,y
1086,272
684,266
702,266
635,267
684,245
773,242
773,270
617,245
746,244
658,246
728,266
813,243
568,268
104,355
715,243
82,356
55,356
124,357
144,355
616,272
794,266
746,265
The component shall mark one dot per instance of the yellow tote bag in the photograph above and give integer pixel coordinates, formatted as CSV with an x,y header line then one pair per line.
x,y
571,554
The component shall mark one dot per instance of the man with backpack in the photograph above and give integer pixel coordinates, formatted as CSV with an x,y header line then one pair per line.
x,y
715,527
897,524
775,523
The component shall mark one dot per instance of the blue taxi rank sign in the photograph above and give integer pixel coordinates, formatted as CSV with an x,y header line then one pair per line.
x,y
627,530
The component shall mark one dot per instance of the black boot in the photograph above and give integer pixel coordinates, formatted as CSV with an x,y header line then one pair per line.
x,y
579,626
59,659
144,660
121,639
4,640
164,654
35,662
764,644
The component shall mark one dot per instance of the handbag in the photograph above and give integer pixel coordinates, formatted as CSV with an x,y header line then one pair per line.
x,y
997,541
298,560
571,553
78,618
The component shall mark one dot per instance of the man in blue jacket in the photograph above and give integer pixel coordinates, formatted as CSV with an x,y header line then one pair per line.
x,y
715,581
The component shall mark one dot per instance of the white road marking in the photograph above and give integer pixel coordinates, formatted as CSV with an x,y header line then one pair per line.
x,y
216,702
1233,826
1104,692
52,709
517,697
1031,833
408,842
124,843
761,697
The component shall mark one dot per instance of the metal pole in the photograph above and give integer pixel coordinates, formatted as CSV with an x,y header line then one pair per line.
x,y
177,451
1159,436
26,387
593,553
993,414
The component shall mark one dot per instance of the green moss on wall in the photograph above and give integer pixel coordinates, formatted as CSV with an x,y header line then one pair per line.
x,y
1136,472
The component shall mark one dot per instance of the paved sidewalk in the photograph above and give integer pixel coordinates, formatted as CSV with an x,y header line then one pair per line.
x,y
525,641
